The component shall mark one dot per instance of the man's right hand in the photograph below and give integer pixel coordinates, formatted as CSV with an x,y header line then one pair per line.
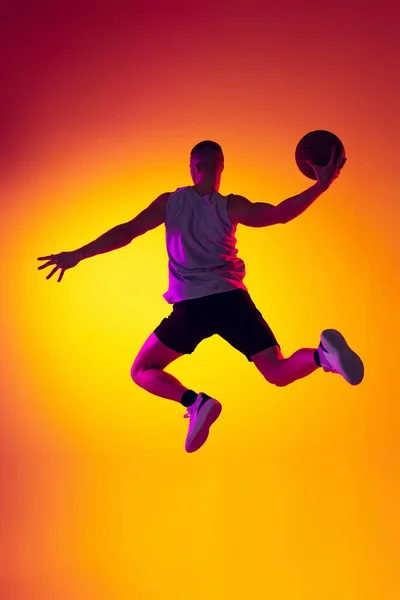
x,y
63,261
327,174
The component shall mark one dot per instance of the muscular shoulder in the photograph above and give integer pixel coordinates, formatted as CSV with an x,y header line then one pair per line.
x,y
150,218
252,214
159,205
237,207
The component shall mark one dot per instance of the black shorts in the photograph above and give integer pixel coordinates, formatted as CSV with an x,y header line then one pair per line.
x,y
231,315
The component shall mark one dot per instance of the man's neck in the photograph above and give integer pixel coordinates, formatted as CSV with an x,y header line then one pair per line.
x,y
204,190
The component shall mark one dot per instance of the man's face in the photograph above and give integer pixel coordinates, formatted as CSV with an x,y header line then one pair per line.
x,y
209,165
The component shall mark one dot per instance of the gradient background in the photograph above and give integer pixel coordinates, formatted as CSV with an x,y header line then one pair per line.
x,y
296,494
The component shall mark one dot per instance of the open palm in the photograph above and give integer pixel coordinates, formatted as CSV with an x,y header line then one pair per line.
x,y
63,261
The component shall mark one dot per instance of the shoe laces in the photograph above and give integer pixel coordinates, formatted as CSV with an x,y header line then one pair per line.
x,y
190,411
328,366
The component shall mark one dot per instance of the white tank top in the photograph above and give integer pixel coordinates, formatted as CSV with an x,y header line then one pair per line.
x,y
201,246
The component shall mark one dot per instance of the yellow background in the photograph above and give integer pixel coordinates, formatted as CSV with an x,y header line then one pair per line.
x,y
296,493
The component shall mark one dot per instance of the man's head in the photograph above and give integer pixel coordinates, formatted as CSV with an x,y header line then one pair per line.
x,y
207,163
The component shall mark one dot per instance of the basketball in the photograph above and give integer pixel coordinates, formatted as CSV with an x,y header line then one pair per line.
x,y
317,147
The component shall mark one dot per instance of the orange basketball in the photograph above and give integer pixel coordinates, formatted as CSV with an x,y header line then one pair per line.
x,y
317,147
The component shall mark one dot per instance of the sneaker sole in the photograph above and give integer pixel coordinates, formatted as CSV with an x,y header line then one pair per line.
x,y
199,437
351,365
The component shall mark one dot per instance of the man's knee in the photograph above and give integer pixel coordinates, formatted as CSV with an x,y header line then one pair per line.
x,y
136,372
270,363
275,378
280,382
273,373
153,355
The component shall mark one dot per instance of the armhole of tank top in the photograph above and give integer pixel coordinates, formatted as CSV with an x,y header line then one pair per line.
x,y
170,208
226,201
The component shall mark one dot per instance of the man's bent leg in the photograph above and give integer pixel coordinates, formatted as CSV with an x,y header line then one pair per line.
x,y
333,354
148,370
282,371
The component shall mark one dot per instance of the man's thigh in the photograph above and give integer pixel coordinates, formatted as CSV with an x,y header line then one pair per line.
x,y
243,326
188,324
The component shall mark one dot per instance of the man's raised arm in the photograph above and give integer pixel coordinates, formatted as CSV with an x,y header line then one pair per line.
x,y
260,214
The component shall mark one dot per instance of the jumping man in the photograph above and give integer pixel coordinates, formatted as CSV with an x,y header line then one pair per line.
x,y
206,287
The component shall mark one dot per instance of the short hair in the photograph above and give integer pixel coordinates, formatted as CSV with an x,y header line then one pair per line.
x,y
205,148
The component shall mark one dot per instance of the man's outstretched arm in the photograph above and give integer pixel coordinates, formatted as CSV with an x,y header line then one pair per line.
x,y
260,214
122,235
117,237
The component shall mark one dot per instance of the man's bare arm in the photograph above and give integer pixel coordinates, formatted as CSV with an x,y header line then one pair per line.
x,y
260,214
119,236
122,235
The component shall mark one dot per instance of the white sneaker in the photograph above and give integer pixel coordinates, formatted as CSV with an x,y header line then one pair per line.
x,y
337,357
201,419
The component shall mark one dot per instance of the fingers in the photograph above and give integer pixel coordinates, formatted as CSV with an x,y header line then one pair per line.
x,y
341,159
52,272
51,262
53,259
333,161
311,164
333,154
314,168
